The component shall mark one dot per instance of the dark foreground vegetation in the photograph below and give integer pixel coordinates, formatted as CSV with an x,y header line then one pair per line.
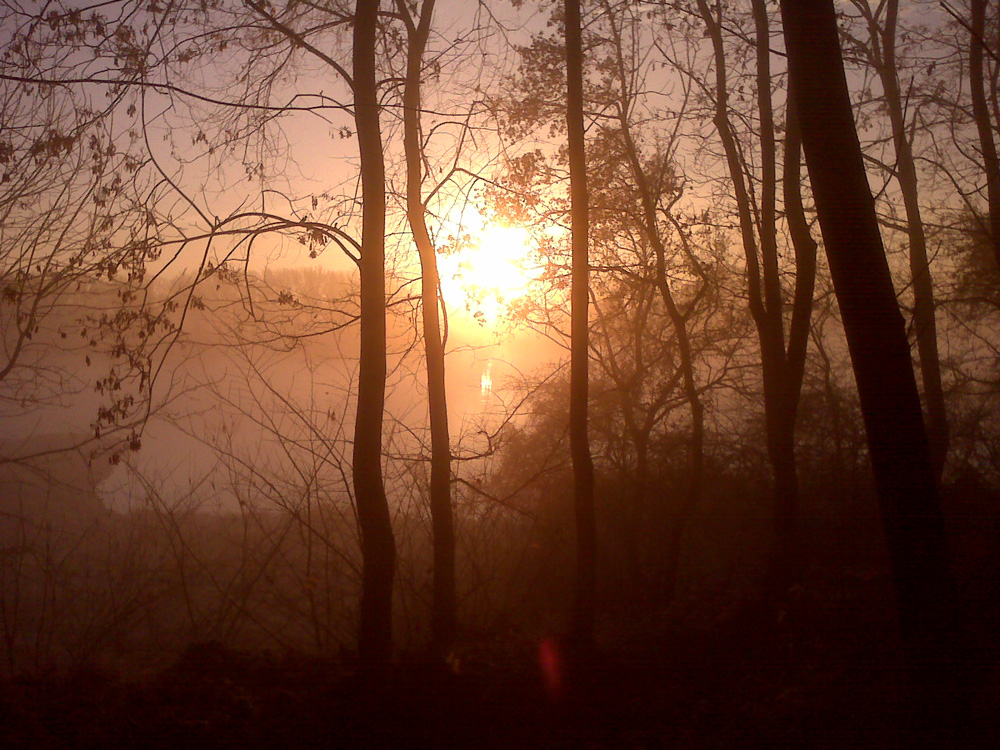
x,y
676,691
716,668
250,495
828,675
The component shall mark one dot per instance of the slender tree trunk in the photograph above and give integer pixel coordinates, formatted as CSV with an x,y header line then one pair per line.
x,y
781,371
582,624
804,247
674,533
786,557
981,112
779,399
443,606
638,534
876,336
378,548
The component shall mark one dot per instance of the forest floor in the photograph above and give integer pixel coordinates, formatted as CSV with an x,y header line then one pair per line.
x,y
826,677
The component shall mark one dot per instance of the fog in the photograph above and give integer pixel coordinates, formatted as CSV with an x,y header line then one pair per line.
x,y
499,374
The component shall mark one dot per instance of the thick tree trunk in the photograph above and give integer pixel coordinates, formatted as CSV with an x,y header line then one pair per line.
x,y
880,354
980,110
582,624
443,605
378,548
882,51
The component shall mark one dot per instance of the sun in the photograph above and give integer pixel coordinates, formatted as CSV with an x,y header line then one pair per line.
x,y
490,274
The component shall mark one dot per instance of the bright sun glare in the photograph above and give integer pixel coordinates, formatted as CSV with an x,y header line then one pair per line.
x,y
490,275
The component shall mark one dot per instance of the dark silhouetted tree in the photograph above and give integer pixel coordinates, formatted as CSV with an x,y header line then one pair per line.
x,y
443,615
582,623
880,48
984,123
876,335
781,367
377,543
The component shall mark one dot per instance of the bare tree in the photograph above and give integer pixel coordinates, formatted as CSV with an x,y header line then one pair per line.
x,y
75,238
781,362
443,607
653,191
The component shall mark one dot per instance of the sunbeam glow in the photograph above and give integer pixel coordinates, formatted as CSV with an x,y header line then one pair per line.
x,y
491,274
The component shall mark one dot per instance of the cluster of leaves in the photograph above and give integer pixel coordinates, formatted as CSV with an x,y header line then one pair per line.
x,y
77,231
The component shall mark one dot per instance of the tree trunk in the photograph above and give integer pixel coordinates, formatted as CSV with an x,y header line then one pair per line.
x,y
883,57
781,371
378,548
977,41
876,336
804,247
780,400
786,558
443,605
582,623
